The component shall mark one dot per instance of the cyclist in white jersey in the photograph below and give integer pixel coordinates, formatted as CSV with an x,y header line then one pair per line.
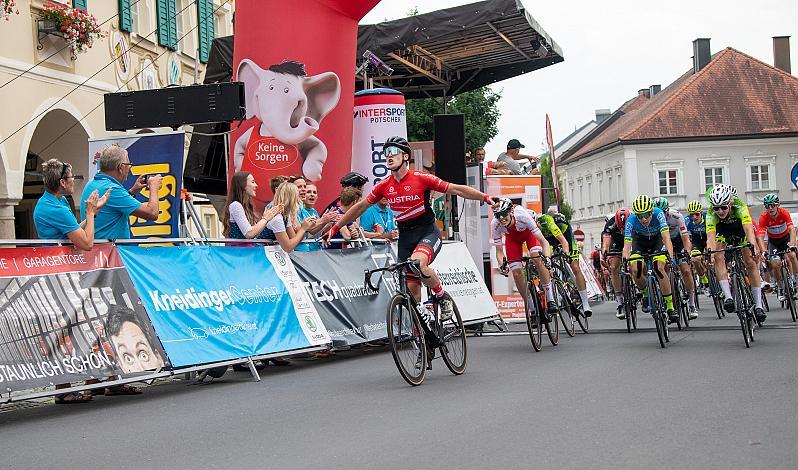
x,y
680,238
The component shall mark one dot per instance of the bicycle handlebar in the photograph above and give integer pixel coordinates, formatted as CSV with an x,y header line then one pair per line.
x,y
413,265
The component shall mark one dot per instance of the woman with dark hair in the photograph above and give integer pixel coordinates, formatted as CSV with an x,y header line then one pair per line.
x,y
239,215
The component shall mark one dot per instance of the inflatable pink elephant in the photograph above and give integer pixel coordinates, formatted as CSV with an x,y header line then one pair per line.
x,y
289,107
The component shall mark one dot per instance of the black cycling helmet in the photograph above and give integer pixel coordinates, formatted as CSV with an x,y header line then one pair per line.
x,y
398,142
353,178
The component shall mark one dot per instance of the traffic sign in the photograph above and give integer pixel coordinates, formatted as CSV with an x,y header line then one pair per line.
x,y
579,235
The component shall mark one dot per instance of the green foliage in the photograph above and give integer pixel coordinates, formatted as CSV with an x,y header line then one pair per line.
x,y
549,196
479,106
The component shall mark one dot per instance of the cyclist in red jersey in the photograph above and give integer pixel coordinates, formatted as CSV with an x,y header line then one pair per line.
x,y
408,195
777,223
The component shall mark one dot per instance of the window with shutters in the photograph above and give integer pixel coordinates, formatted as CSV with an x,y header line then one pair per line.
x,y
206,27
186,19
167,23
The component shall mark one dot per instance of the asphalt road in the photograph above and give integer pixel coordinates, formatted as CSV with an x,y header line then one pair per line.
x,y
603,400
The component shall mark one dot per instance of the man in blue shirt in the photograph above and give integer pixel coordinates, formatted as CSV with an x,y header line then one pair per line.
x,y
54,220
113,221
378,221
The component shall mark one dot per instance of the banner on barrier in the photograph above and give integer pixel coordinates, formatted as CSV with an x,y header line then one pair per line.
x,y
151,154
334,281
462,280
68,315
215,303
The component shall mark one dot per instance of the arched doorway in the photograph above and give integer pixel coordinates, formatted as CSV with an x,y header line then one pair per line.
x,y
59,135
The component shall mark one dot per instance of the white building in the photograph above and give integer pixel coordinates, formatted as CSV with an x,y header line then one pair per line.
x,y
731,119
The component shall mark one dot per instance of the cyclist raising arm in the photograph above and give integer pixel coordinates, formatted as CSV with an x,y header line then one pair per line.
x,y
408,195
646,233
519,226
730,223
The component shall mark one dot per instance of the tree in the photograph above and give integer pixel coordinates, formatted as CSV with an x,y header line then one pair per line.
x,y
480,108
549,195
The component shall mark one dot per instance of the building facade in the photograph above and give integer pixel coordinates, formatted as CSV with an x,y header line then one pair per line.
x,y
733,121
53,100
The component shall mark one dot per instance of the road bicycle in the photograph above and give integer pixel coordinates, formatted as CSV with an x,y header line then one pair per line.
x,y
535,305
656,302
415,332
680,297
567,295
714,287
789,289
741,291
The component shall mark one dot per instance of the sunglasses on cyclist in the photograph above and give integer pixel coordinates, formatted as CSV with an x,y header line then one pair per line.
x,y
720,208
770,206
647,215
391,151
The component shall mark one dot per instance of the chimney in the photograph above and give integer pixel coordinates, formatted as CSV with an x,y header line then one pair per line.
x,y
781,53
602,115
654,89
701,54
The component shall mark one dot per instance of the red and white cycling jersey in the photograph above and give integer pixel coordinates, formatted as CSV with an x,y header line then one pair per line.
x,y
776,227
525,224
409,199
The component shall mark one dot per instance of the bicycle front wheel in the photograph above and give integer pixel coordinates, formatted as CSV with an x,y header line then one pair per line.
x,y
564,305
533,323
789,288
407,341
454,349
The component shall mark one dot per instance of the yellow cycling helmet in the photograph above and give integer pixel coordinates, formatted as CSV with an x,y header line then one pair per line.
x,y
642,204
694,207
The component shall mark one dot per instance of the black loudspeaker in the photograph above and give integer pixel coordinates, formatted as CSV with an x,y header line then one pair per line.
x,y
175,106
450,163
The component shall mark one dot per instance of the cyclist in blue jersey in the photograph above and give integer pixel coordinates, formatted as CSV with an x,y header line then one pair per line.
x,y
697,228
646,233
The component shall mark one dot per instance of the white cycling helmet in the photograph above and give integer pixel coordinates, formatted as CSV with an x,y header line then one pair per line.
x,y
721,194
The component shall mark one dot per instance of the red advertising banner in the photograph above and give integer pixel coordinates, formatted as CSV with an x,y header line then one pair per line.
x,y
296,60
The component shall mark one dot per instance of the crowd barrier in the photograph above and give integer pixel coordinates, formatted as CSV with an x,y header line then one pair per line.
x,y
129,311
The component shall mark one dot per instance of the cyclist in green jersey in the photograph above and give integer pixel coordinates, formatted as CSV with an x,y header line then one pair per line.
x,y
556,229
729,223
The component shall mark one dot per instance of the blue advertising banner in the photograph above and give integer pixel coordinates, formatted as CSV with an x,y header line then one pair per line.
x,y
215,303
151,154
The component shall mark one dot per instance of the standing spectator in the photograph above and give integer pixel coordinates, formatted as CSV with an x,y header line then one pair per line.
x,y
378,221
54,220
307,210
512,154
300,183
113,221
239,215
281,228
349,197
490,168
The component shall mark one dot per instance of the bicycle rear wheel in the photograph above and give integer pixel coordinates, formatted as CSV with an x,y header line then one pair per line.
x,y
564,305
407,341
454,349
789,287
676,297
553,329
533,323
714,291
576,307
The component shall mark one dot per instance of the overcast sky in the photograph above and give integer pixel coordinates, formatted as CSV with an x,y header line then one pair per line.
x,y
614,48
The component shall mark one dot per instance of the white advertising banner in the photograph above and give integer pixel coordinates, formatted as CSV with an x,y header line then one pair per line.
x,y
378,114
461,279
